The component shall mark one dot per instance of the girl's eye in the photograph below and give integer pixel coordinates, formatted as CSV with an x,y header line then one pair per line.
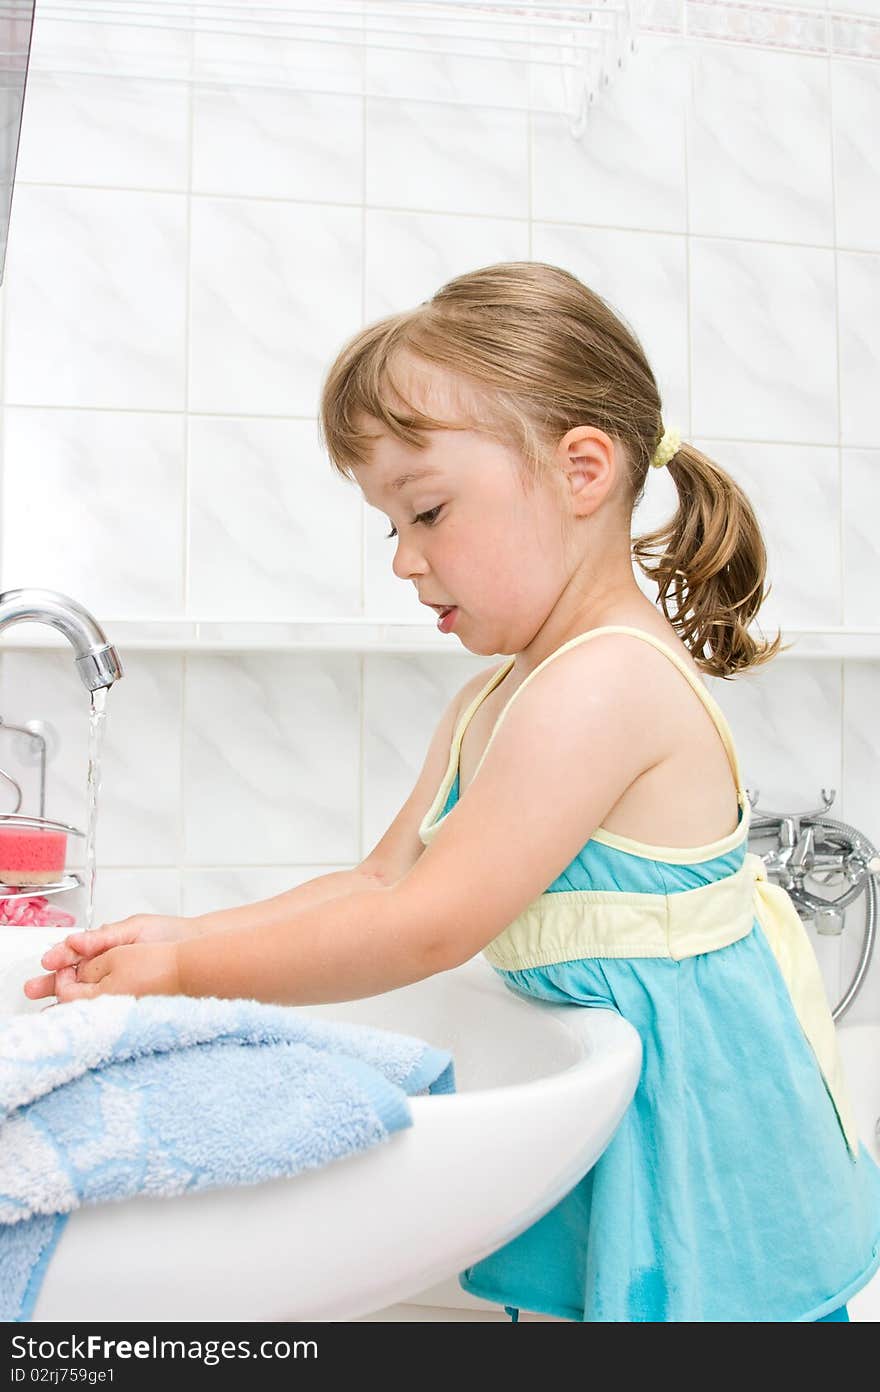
x,y
419,517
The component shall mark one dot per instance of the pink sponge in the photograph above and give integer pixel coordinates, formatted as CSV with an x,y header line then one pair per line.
x,y
31,855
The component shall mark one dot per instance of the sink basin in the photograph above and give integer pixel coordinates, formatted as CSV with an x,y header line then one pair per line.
x,y
541,1091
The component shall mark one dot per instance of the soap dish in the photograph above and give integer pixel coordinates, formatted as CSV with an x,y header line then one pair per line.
x,y
11,892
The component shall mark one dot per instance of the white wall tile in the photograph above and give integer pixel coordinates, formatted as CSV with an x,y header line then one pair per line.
x,y
404,698
865,1009
2,408
858,288
408,256
243,138
275,288
764,362
271,759
144,890
304,58
274,530
447,158
855,119
628,168
213,888
861,537
96,289
759,145
861,808
785,719
410,57
93,506
861,748
141,795
108,44
795,493
116,132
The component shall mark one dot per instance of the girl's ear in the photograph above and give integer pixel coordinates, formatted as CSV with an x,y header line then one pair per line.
x,y
585,457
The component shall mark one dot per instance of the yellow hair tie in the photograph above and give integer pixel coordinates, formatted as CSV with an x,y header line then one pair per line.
x,y
667,448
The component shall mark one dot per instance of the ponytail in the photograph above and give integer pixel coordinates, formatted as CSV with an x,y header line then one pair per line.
x,y
713,561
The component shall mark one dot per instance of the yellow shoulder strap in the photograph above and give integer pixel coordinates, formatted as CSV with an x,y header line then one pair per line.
x,y
708,700
465,718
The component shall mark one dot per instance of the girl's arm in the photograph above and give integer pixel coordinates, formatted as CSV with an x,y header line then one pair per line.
x,y
154,928
516,827
361,944
280,907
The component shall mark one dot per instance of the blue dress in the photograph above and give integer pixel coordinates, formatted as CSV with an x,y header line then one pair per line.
x,y
735,1187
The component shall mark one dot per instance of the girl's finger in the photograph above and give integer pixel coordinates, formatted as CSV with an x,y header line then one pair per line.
x,y
67,988
76,946
38,986
64,979
59,955
92,971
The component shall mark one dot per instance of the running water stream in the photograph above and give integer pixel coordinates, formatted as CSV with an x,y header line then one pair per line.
x,y
97,716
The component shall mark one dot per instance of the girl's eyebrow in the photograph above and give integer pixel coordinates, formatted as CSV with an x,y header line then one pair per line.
x,y
426,470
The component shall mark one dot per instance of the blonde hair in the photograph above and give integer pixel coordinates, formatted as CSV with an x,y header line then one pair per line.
x,y
533,352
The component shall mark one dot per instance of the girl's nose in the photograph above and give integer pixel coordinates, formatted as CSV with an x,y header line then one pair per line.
x,y
407,561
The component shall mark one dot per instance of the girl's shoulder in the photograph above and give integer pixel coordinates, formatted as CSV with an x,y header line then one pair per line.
x,y
648,646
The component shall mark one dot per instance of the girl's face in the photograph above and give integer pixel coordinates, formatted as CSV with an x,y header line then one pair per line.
x,y
470,532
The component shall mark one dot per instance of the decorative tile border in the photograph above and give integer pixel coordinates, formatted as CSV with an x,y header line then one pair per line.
x,y
790,27
855,36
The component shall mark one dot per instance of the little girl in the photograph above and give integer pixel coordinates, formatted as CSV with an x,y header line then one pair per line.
x,y
507,428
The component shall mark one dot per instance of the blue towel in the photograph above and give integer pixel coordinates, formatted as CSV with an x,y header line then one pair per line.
x,y
104,1099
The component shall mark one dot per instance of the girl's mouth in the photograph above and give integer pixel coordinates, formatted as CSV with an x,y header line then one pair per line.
x,y
447,619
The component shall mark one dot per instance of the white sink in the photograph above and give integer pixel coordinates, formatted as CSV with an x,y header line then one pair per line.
x,y
541,1090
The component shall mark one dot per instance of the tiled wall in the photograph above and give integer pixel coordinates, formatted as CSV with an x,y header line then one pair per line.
x,y
185,259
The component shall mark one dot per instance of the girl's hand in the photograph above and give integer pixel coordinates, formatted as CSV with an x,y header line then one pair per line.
x,y
84,945
135,969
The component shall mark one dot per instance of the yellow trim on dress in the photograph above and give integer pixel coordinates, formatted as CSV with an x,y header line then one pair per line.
x,y
576,924
564,926
800,969
429,826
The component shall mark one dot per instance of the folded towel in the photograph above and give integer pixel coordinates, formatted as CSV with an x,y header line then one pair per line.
x,y
107,1098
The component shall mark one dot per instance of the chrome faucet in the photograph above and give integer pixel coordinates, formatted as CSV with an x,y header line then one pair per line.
x,y
813,844
97,661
